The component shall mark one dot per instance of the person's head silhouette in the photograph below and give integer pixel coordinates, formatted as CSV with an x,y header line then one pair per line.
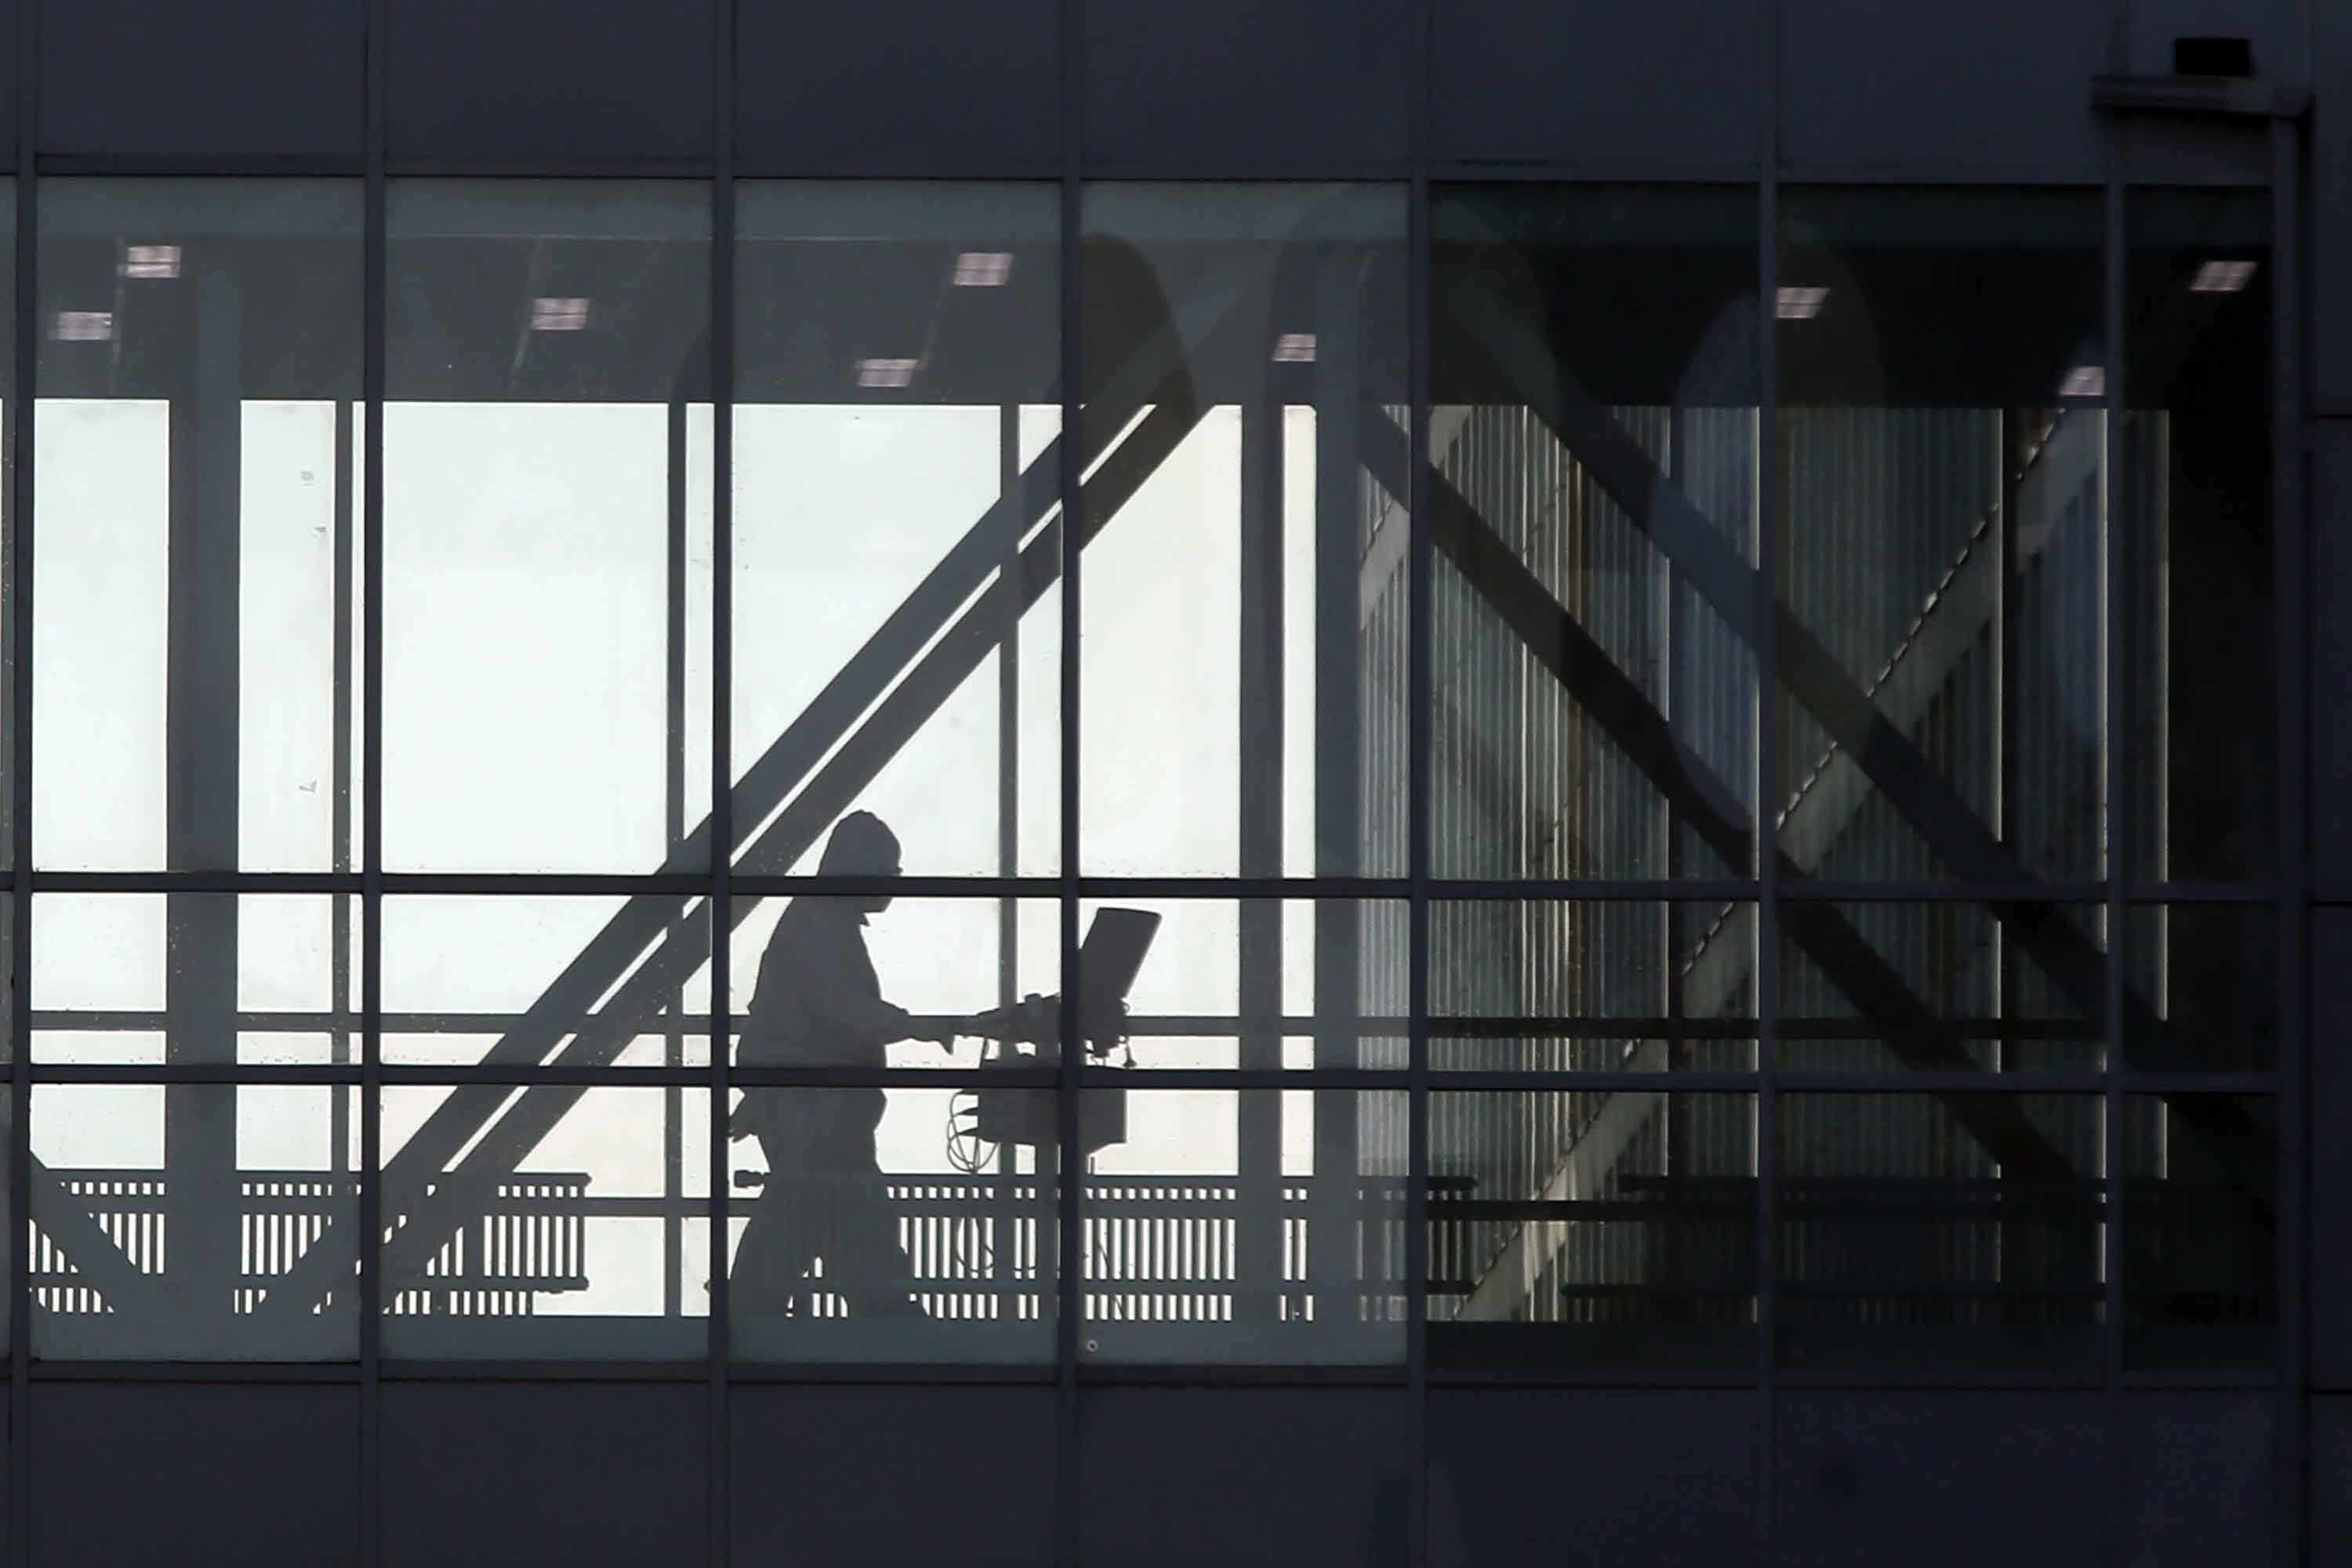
x,y
862,845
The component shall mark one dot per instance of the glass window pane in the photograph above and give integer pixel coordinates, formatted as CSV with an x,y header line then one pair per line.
x,y
841,985
547,525
1593,425
1944,534
1942,1231
1890,987
2202,1288
578,1227
1258,1226
2205,989
1253,983
1616,986
896,481
1593,1228
2203,683
197,663
522,980
194,1221
873,1225
201,978
1245,615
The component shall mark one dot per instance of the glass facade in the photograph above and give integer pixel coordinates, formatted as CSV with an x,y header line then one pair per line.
x,y
1478,963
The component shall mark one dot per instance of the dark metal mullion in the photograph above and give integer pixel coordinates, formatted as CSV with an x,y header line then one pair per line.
x,y
373,377
19,408
1259,786
1420,723
2118,590
340,746
1768,793
1069,1288
717,1453
674,742
1717,890
2291,1470
1005,1286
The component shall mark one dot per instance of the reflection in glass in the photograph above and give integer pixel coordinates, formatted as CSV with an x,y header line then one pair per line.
x,y
1262,983
577,1228
1616,986
1260,1226
1944,535
1941,1230
1245,617
837,983
2205,988
194,1222
903,1224
208,978
2202,1288
196,669
1916,987
547,525
1594,376
527,980
898,349
2203,684
1593,1227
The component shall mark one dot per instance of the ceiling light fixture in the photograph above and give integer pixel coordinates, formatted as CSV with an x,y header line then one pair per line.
x,y
559,315
2222,278
1799,304
1295,348
2084,381
84,326
885,372
151,262
983,269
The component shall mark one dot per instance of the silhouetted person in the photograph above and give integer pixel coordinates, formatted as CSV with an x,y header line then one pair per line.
x,y
818,1003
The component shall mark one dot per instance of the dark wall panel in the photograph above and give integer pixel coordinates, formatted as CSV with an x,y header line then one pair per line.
x,y
891,1476
2331,1479
2197,1467
549,79
525,1474
1249,80
2331,1151
1998,86
1678,83
167,78
1650,1476
2331,212
898,80
2331,654
1942,1479
1303,1478
126,1475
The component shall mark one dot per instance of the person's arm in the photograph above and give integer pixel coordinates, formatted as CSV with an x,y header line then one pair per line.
x,y
849,1003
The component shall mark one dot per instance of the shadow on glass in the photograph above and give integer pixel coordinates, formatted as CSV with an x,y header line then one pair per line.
x,y
1252,1226
577,1227
1589,1228
1889,987
1593,374
1942,1231
196,460
1945,538
897,474
194,1221
1616,986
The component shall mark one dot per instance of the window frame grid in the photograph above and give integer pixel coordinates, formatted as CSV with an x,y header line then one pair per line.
x,y
2288,892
